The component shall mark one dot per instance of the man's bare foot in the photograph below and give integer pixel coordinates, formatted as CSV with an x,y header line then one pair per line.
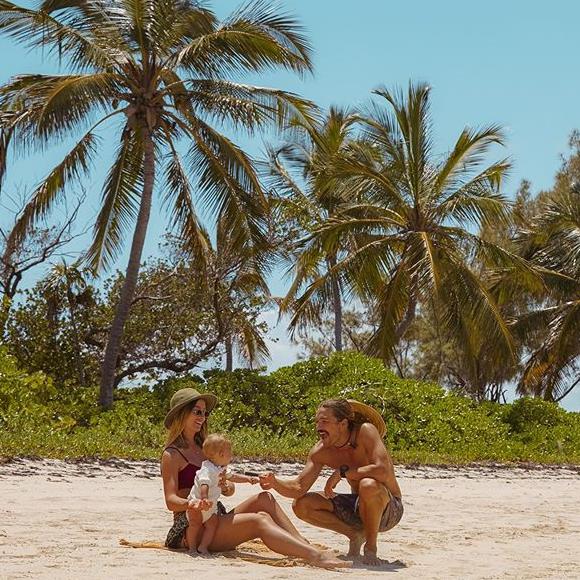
x,y
327,561
370,557
203,551
354,545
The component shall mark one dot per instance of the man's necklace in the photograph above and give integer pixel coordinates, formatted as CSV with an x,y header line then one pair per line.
x,y
344,444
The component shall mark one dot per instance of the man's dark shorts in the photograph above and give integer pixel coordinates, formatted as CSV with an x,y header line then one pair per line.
x,y
346,509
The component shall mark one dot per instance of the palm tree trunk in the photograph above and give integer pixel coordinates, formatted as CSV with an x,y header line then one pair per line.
x,y
408,318
5,305
128,290
229,354
77,340
336,307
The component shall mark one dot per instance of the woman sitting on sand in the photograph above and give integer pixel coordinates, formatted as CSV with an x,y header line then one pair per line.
x,y
260,516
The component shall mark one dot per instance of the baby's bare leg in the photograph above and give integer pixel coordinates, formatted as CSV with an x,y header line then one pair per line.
x,y
209,529
192,531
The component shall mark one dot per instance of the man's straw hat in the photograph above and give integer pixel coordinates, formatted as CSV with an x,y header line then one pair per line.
x,y
369,415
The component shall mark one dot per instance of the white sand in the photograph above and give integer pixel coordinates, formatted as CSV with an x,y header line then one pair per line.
x,y
61,520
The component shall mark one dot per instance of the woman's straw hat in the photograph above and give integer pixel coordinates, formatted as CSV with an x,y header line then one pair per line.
x,y
369,415
184,397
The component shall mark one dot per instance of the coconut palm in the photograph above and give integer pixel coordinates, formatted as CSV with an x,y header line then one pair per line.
x,y
553,244
238,274
413,227
68,281
164,70
301,172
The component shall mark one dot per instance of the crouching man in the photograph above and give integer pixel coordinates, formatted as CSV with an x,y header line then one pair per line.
x,y
351,443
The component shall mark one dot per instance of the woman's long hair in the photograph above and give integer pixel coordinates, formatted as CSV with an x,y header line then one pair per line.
x,y
175,430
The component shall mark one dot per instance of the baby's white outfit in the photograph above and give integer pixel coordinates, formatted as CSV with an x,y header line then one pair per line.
x,y
208,474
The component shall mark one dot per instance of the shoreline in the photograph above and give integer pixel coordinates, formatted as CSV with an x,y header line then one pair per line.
x,y
91,467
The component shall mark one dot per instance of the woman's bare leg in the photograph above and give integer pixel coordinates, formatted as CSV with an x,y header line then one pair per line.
x,y
233,529
265,502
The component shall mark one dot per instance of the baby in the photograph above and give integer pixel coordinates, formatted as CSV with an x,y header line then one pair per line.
x,y
206,488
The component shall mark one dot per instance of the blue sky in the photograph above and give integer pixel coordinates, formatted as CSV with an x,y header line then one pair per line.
x,y
512,62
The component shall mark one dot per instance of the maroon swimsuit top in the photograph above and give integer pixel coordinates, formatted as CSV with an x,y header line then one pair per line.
x,y
186,476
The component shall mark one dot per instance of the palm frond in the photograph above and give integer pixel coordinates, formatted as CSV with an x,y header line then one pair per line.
x,y
228,184
75,165
391,306
250,343
179,198
6,133
78,40
255,38
468,153
57,104
413,120
120,203
244,106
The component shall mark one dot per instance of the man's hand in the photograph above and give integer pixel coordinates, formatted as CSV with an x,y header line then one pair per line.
x,y
267,480
226,486
331,484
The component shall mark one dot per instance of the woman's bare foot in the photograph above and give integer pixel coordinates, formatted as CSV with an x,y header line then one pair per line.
x,y
354,545
327,561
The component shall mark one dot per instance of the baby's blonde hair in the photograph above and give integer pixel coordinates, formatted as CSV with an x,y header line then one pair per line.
x,y
215,444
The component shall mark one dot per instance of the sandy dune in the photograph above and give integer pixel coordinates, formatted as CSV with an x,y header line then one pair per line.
x,y
64,520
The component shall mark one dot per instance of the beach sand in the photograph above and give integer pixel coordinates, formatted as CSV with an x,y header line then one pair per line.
x,y
65,520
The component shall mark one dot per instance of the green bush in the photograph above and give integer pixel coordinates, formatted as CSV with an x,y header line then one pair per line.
x,y
526,414
272,416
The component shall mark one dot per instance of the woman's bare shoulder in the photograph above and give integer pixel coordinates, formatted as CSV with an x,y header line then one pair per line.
x,y
171,456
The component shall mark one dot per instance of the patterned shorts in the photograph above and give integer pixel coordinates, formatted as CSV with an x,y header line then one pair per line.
x,y
346,509
176,534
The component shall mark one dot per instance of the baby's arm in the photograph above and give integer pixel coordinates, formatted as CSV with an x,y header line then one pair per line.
x,y
331,483
205,503
238,478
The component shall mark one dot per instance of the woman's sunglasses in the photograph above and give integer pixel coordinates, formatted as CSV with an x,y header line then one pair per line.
x,y
201,413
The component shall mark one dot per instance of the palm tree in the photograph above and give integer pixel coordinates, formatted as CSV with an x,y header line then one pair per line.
x,y
413,226
71,282
553,244
238,274
301,170
163,68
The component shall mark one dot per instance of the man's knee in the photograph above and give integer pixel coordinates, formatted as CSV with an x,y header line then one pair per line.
x,y
300,506
369,489
304,506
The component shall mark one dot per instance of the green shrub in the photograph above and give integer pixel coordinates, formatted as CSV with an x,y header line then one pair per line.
x,y
272,416
526,414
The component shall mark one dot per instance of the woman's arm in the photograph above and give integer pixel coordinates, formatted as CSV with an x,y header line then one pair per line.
x,y
169,473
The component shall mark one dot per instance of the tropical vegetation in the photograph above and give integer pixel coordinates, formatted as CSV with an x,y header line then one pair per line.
x,y
446,292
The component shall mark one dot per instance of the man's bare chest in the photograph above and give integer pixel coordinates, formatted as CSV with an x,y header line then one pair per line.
x,y
336,457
